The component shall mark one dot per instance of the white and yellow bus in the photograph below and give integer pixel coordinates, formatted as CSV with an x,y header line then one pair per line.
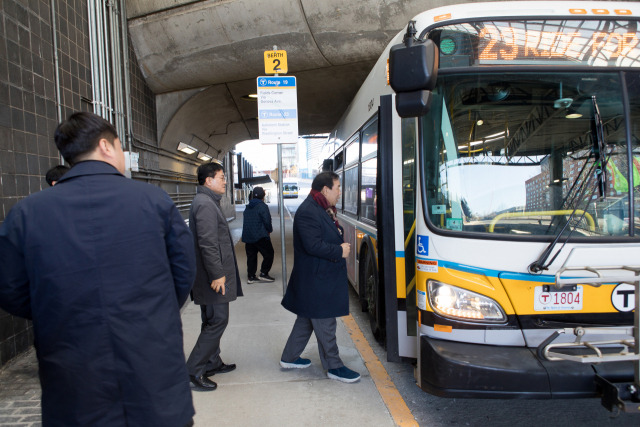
x,y
488,199
290,189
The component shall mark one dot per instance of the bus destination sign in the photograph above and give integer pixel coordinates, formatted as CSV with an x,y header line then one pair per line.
x,y
557,42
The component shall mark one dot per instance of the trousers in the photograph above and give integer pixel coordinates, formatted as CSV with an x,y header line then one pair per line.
x,y
325,330
265,248
206,353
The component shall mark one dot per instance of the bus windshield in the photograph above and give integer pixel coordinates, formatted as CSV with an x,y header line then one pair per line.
x,y
523,153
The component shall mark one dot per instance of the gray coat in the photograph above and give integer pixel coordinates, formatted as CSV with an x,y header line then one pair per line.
x,y
215,255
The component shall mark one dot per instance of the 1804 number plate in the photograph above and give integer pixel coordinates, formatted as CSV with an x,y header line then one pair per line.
x,y
557,300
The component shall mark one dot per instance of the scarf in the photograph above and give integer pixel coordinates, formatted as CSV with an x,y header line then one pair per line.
x,y
331,210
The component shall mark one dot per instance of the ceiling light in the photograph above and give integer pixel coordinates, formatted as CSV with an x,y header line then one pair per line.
x,y
187,149
205,157
494,135
498,138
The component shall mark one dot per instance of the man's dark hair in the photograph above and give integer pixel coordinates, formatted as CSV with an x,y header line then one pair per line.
x,y
208,170
258,192
55,173
80,134
324,179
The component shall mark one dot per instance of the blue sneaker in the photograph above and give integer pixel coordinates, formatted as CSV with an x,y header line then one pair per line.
x,y
343,374
299,363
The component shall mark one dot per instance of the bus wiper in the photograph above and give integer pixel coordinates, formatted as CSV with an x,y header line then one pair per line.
x,y
541,264
599,149
600,166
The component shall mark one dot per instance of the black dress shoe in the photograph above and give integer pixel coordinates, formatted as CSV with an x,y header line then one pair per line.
x,y
220,369
203,383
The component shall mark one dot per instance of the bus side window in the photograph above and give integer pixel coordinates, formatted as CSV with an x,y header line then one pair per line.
x,y
369,171
351,190
368,190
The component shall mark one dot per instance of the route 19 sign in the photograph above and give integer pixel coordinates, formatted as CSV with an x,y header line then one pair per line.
x,y
277,110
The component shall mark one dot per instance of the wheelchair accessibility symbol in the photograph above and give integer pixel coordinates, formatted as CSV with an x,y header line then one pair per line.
x,y
423,245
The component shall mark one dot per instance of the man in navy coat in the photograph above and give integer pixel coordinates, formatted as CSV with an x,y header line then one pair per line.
x,y
318,288
256,228
102,264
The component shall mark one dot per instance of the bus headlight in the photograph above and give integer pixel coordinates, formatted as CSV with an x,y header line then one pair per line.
x,y
461,304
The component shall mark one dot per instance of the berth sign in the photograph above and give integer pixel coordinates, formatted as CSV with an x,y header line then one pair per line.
x,y
275,62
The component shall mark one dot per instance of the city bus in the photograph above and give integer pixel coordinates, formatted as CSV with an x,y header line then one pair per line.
x,y
489,165
290,189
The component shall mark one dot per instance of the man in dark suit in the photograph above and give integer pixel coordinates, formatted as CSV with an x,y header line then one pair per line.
x,y
318,288
217,277
102,264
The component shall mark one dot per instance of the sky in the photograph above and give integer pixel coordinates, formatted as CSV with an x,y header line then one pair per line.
x,y
261,156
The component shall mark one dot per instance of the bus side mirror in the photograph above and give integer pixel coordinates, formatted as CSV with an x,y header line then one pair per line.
x,y
413,104
327,165
413,71
413,68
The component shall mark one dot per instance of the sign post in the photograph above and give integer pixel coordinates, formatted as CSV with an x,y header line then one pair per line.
x,y
278,122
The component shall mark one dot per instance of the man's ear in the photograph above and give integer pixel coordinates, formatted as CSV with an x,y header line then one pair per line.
x,y
104,147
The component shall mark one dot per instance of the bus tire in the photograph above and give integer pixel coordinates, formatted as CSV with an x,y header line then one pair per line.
x,y
374,297
362,289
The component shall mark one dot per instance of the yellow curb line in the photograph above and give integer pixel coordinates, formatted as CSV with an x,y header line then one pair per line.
x,y
388,391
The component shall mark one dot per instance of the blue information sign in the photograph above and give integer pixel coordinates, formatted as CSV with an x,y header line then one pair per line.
x,y
277,110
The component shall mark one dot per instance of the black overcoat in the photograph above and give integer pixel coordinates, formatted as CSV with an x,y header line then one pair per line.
x,y
102,264
256,221
318,287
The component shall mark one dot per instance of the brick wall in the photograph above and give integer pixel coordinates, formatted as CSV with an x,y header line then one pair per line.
x,y
29,113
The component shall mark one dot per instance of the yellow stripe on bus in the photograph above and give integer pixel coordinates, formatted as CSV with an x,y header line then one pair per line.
x,y
515,296
401,286
484,285
594,300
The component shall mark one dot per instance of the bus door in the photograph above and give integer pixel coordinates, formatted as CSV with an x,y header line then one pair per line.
x,y
396,208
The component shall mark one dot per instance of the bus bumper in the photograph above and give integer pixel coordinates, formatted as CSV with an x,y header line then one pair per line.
x,y
454,369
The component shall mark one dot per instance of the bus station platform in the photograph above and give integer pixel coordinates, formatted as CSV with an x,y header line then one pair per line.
x,y
259,392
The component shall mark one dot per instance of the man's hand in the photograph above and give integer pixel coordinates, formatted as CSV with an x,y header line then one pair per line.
x,y
218,285
346,248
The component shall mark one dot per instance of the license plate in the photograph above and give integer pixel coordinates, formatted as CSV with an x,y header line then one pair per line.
x,y
557,300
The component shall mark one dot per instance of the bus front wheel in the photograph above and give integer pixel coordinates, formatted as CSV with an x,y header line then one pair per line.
x,y
374,298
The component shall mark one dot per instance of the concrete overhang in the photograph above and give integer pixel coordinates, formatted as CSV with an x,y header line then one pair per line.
x,y
201,58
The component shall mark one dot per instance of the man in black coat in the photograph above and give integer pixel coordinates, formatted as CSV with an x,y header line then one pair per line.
x,y
256,228
54,174
217,277
318,288
102,264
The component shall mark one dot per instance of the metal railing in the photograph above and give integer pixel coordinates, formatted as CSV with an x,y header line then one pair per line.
x,y
621,396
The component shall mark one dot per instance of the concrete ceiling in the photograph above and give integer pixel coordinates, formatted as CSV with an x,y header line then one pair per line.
x,y
201,57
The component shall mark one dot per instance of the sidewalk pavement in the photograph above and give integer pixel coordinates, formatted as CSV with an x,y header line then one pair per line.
x,y
259,392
